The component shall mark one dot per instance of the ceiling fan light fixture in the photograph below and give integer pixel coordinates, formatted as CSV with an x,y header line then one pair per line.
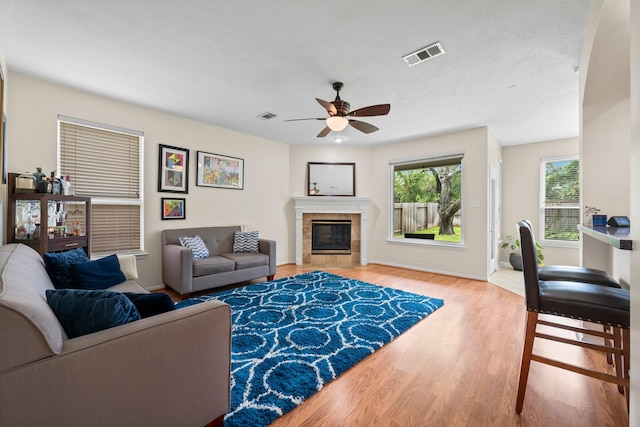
x,y
337,123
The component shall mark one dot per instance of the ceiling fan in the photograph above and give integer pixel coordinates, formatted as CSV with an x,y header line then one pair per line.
x,y
340,116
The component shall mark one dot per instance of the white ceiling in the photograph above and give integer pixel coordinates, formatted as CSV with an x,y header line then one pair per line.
x,y
509,64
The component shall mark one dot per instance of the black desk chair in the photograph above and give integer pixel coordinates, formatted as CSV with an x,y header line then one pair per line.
x,y
606,305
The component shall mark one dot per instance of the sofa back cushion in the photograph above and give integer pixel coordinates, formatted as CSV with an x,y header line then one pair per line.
x,y
219,240
28,328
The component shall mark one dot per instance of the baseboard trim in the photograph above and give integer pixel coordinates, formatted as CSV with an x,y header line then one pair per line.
x,y
429,270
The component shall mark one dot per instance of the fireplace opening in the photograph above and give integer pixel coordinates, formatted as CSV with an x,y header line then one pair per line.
x,y
331,236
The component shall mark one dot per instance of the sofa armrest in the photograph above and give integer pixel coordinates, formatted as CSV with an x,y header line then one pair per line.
x,y
177,268
166,370
268,247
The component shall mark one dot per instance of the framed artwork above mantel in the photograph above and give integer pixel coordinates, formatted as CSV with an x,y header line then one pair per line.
x,y
331,179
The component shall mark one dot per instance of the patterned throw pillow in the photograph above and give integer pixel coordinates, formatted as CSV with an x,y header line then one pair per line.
x,y
198,248
246,241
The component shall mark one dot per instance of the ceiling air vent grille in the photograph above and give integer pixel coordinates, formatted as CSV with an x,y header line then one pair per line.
x,y
266,116
423,54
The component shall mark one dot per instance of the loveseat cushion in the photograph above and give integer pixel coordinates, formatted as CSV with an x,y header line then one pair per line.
x,y
248,259
99,274
58,265
212,265
82,312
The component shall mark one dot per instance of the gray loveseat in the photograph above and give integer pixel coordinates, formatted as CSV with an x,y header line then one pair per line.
x,y
172,369
223,267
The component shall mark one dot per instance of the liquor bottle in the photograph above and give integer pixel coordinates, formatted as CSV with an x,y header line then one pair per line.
x,y
69,189
56,185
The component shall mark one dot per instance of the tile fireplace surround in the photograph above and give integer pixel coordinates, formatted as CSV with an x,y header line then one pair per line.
x,y
326,207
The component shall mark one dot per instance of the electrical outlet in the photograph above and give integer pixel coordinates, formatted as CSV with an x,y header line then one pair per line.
x,y
418,253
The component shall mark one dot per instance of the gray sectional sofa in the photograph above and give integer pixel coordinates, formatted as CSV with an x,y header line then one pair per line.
x,y
129,375
222,267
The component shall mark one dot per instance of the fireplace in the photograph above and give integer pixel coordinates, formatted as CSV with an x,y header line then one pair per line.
x,y
313,208
330,236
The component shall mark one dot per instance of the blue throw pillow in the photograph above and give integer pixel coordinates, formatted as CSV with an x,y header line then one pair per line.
x,y
82,312
58,266
100,274
151,304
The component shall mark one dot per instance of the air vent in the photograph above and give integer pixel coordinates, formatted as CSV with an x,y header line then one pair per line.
x,y
423,54
266,116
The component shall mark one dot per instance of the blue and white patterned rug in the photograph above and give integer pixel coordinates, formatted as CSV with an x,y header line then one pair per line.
x,y
293,335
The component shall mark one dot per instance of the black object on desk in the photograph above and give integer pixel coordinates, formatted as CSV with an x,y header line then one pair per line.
x,y
619,221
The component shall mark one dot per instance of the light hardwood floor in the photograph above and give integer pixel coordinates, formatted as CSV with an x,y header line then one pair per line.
x,y
457,367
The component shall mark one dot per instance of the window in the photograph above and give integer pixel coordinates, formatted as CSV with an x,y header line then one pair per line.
x,y
560,199
104,163
427,199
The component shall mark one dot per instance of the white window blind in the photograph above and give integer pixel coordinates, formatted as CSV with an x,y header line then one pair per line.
x,y
104,163
560,199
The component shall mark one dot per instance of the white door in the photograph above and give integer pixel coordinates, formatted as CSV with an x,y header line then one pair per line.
x,y
494,219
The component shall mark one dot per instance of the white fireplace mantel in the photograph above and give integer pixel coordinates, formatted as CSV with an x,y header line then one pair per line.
x,y
329,204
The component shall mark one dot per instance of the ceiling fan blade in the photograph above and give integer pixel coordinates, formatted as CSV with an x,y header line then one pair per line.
x,y
297,120
324,132
362,126
372,110
331,109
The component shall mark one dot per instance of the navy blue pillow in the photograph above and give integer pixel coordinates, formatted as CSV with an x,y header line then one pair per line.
x,y
82,312
100,274
151,304
58,266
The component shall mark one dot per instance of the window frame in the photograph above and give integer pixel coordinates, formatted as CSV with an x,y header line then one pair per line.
x,y
425,160
543,190
108,201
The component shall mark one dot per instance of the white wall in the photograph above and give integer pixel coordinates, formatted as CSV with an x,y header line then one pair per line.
x,y
610,141
605,152
468,261
521,192
263,203
326,151
372,180
273,173
634,418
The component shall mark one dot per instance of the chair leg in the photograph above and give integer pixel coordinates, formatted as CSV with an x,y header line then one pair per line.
x,y
626,354
617,342
607,342
527,351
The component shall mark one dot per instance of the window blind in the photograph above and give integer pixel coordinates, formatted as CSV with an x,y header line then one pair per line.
x,y
104,163
560,199
432,162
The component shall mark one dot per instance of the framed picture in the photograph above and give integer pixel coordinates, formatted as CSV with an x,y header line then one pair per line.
x,y
215,170
173,172
331,179
173,208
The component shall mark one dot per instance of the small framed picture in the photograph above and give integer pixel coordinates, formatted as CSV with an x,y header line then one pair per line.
x,y
173,208
215,170
173,172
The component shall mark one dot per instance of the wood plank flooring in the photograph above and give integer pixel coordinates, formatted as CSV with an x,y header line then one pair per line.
x,y
457,367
